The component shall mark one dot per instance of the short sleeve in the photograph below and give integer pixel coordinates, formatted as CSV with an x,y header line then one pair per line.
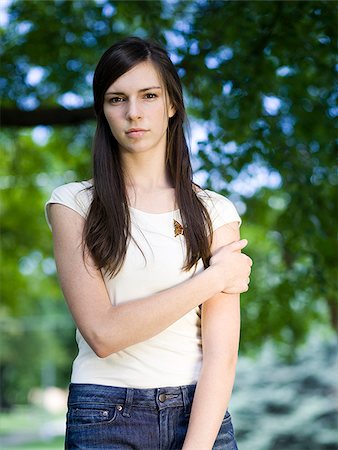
x,y
221,209
76,196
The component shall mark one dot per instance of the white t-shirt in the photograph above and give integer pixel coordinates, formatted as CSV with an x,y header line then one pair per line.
x,y
174,356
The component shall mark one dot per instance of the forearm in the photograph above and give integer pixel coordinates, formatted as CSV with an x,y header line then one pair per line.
x,y
107,328
211,399
140,319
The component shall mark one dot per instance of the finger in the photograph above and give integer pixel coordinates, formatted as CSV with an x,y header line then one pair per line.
x,y
238,245
239,289
245,289
248,260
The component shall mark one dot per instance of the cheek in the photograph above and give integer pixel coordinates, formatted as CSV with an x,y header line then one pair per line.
x,y
160,115
111,119
112,125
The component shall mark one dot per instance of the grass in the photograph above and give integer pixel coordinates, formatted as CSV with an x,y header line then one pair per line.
x,y
28,427
53,444
23,417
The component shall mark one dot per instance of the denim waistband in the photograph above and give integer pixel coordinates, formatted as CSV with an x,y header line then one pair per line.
x,y
158,398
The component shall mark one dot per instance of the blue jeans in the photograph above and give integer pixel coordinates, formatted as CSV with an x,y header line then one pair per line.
x,y
114,418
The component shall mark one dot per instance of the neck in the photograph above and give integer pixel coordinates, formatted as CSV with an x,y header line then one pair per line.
x,y
146,172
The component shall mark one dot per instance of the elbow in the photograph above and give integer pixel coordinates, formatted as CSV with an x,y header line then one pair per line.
x,y
101,351
231,359
103,341
221,359
101,346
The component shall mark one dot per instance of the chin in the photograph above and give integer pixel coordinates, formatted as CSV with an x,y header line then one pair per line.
x,y
135,149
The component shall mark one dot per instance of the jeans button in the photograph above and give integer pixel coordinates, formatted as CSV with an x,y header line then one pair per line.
x,y
119,407
162,398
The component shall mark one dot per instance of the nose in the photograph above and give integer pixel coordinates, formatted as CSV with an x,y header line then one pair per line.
x,y
133,110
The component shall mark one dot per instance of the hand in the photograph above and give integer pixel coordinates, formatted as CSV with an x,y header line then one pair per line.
x,y
233,267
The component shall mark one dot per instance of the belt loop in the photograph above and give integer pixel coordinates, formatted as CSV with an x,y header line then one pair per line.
x,y
128,402
186,401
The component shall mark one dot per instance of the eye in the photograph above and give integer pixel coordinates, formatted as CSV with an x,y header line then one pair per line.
x,y
150,95
115,100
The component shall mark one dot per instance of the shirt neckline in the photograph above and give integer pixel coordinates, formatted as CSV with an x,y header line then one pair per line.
x,y
158,214
153,214
139,211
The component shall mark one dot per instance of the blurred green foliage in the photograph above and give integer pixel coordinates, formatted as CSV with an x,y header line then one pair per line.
x,y
259,79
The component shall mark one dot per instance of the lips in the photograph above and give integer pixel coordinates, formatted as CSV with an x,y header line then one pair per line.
x,y
132,130
136,132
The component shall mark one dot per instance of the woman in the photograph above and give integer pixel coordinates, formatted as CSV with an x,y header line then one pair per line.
x,y
151,269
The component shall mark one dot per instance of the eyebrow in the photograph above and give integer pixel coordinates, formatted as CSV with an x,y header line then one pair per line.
x,y
141,90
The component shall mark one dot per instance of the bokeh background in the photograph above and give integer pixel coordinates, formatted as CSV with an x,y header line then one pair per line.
x,y
259,84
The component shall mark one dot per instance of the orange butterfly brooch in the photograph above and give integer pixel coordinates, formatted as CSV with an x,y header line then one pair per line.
x,y
178,228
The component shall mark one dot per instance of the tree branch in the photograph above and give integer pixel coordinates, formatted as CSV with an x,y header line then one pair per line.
x,y
14,117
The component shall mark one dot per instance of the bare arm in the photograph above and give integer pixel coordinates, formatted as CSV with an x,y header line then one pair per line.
x,y
107,328
220,339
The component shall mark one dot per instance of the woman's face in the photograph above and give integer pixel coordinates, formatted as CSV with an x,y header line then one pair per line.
x,y
137,110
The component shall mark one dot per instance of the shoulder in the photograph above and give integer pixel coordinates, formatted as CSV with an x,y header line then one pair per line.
x,y
220,208
79,191
76,195
75,188
214,199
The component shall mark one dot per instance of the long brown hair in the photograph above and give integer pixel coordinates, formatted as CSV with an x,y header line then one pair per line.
x,y
107,228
